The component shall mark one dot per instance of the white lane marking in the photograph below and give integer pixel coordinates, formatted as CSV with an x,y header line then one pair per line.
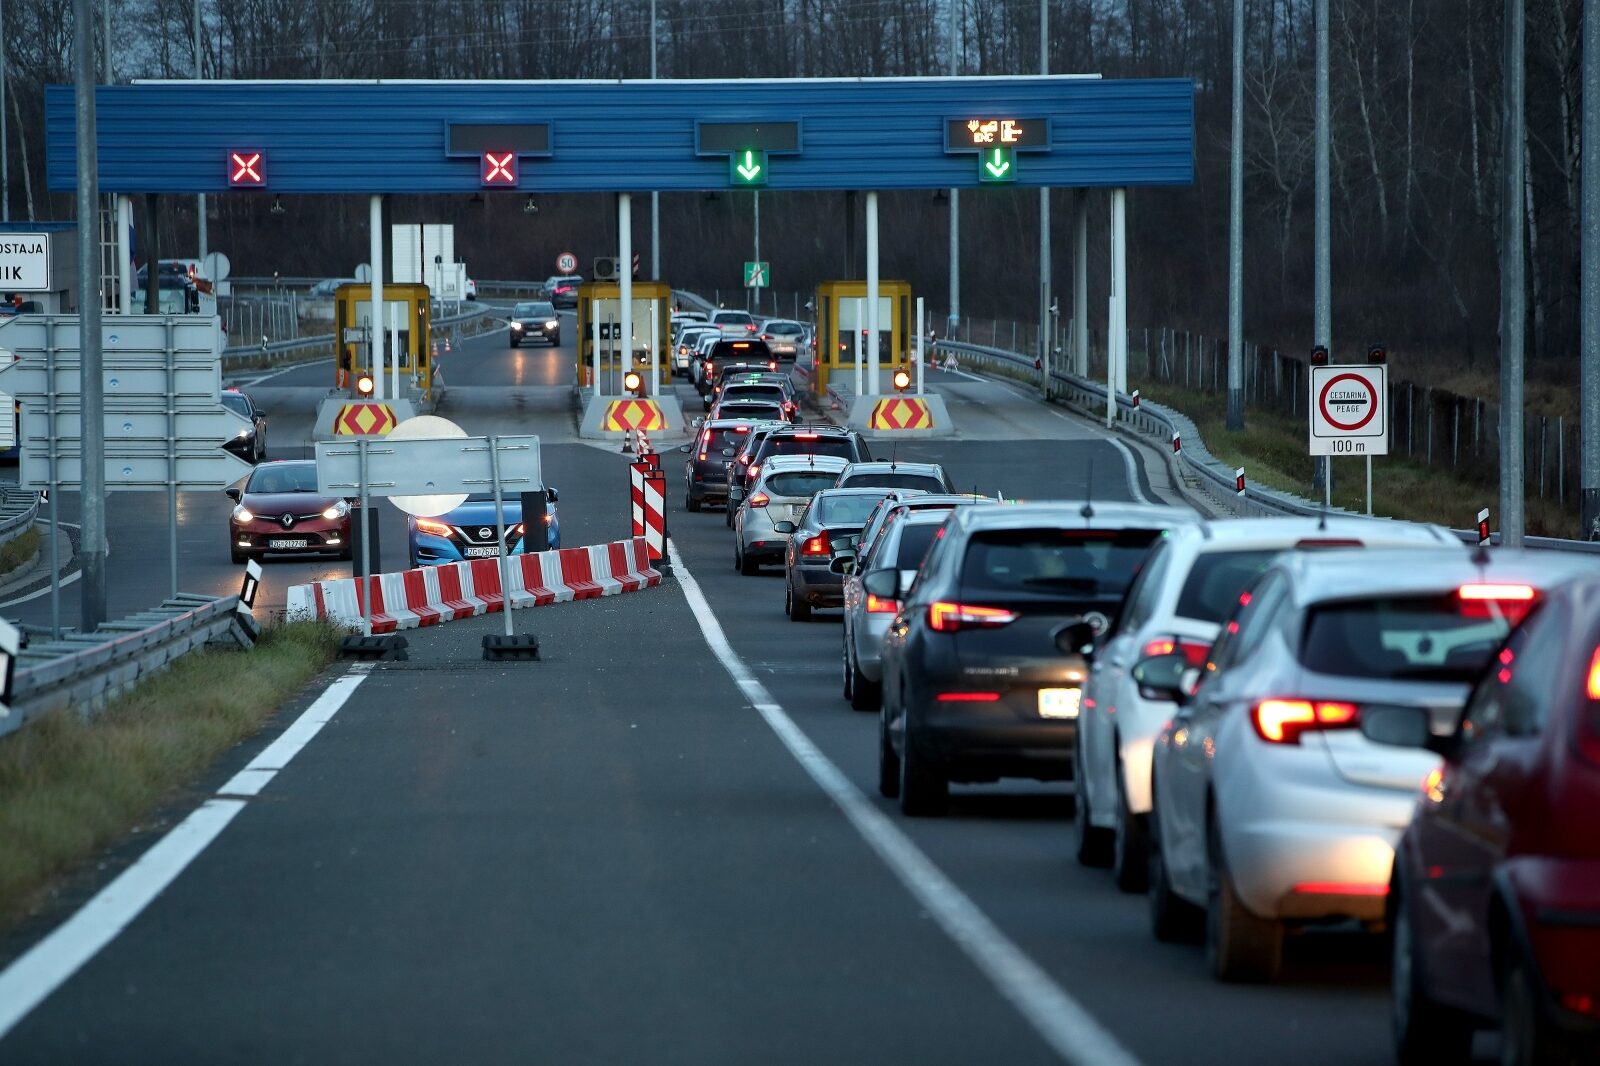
x,y
248,382
69,579
48,965
247,782
1063,1023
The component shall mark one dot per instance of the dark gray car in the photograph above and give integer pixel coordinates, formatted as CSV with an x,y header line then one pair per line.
x,y
832,521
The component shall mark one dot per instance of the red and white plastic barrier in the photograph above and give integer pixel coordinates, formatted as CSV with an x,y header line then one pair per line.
x,y
429,595
648,487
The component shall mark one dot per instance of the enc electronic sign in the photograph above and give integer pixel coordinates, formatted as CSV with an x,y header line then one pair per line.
x,y
500,170
247,168
985,132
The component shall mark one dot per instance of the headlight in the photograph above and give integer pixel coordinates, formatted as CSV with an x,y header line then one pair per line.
x,y
242,434
242,515
552,324
338,510
516,325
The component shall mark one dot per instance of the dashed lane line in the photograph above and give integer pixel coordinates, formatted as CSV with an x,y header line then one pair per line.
x,y
1059,1019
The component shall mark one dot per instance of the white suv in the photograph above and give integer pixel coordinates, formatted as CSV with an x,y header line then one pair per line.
x,y
1182,594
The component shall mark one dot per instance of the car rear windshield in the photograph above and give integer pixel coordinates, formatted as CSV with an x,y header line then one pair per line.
x,y
773,393
298,477
715,438
732,318
800,483
740,350
784,329
811,446
890,480
750,409
1403,638
848,510
1055,561
1214,583
914,543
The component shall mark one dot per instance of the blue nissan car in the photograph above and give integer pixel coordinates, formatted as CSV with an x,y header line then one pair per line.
x,y
468,531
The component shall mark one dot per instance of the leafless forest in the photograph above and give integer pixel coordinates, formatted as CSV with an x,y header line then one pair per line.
x,y
1416,90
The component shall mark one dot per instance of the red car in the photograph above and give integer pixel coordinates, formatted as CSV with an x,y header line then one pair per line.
x,y
279,509
1494,903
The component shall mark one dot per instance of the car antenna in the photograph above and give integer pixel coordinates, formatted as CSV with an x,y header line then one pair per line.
x,y
893,451
1322,520
1088,495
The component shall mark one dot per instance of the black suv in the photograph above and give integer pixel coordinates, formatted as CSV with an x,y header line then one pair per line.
x,y
705,475
535,319
731,350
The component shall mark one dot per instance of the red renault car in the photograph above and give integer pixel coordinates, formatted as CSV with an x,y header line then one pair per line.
x,y
278,509
1494,903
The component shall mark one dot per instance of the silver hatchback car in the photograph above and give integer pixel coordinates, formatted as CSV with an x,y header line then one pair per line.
x,y
781,493
1269,807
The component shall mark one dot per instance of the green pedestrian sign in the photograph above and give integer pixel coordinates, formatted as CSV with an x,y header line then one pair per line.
x,y
748,167
757,276
997,164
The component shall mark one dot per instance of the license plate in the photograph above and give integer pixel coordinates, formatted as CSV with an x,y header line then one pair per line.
x,y
491,552
1059,702
287,542
796,510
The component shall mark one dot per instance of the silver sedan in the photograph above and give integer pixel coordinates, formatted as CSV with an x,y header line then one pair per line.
x,y
780,495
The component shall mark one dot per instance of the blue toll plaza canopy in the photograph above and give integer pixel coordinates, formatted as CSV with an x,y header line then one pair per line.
x,y
366,137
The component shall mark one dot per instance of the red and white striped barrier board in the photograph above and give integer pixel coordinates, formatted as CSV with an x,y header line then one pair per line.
x,y
648,487
429,595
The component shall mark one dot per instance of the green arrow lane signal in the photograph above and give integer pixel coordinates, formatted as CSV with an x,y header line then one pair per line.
x,y
748,167
997,164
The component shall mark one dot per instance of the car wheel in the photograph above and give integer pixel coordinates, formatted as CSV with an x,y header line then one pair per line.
x,y
793,607
350,553
747,565
865,693
240,558
1173,919
846,667
1129,851
1240,947
555,342
1094,843
727,515
888,761
924,792
691,504
1424,1031
1527,1037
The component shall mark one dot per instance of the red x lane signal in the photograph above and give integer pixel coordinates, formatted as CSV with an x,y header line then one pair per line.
x,y
500,169
247,167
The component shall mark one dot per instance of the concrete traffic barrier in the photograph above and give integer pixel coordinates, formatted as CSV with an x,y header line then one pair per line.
x,y
429,595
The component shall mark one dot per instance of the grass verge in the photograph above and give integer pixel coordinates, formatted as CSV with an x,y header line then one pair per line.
x,y
69,787
1272,450
19,550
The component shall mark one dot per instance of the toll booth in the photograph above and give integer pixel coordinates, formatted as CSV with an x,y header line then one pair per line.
x,y
842,314
407,317
600,311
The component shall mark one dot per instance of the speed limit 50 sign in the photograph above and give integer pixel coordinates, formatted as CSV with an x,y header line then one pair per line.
x,y
1349,410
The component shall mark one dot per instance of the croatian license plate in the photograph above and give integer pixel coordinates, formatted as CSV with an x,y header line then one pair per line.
x,y
491,552
1059,702
796,510
287,542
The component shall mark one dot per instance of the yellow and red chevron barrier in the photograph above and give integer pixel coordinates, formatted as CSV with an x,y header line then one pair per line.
x,y
900,412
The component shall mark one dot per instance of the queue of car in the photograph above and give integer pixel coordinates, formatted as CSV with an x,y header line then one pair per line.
x,y
1275,727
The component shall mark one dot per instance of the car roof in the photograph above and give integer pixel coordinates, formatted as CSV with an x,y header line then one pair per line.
x,y
879,466
1227,533
803,462
1075,514
1354,574
820,430
850,490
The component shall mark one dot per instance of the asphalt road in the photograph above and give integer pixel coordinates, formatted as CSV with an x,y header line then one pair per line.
x,y
614,855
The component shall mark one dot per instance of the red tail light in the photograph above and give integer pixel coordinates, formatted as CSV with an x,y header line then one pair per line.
x,y
881,606
1506,593
751,326
702,457
806,436
817,545
772,364
1589,731
968,697
766,336
1282,721
1341,888
946,617
1193,651
750,475
760,499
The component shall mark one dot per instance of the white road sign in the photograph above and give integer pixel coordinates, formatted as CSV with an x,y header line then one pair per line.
x,y
566,262
25,262
1350,410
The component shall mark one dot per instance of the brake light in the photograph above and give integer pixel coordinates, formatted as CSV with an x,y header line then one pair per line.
x,y
1484,592
946,617
968,697
751,326
876,605
702,457
766,336
741,344
772,364
760,499
1341,888
817,545
1193,652
741,429
750,475
1589,732
438,529
1308,543
1282,721
807,436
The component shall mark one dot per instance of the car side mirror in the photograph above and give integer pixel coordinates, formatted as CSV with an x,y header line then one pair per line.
x,y
1403,727
1075,638
698,421
683,447
1166,677
783,527
232,492
843,563
728,453
552,495
884,584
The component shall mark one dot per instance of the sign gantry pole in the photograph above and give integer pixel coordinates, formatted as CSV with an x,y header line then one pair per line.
x,y
92,547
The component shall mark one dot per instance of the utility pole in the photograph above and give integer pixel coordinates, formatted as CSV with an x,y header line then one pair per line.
x,y
1044,224
1589,474
5,163
92,492
953,325
1322,256
200,201
1513,298
655,197
1236,232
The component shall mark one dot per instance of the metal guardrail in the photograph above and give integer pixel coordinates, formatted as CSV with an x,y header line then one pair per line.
x,y
276,350
82,672
18,511
1197,463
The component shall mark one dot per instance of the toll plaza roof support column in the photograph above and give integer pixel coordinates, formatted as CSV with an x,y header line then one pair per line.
x,y
92,479
952,327
1513,278
872,291
124,255
1117,331
625,285
1080,282
375,345
1589,313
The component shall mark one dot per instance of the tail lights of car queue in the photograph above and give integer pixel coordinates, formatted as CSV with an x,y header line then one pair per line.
x,y
879,605
817,545
947,617
1282,721
760,499
1194,652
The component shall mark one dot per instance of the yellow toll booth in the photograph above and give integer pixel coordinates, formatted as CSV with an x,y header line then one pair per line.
x,y
600,304
842,315
406,313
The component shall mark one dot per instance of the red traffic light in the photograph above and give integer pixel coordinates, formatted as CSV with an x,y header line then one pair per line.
x,y
1319,355
247,168
499,170
1377,353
